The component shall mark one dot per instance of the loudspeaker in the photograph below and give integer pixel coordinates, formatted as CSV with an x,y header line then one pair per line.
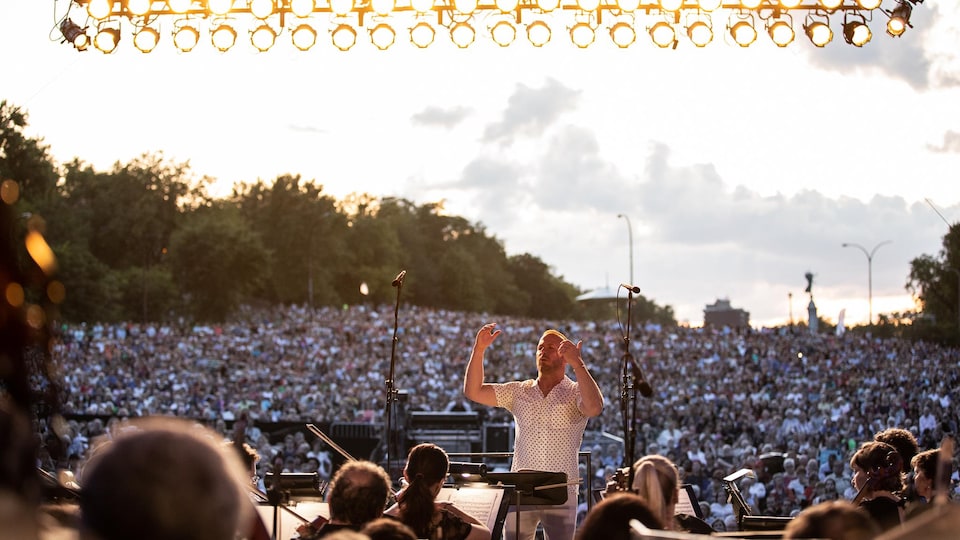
x,y
356,438
498,438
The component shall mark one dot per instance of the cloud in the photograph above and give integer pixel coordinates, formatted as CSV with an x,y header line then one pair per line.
x,y
440,117
496,190
951,144
924,56
306,129
571,174
530,111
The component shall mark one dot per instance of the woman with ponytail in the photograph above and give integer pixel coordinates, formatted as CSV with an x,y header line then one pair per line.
x,y
657,481
424,473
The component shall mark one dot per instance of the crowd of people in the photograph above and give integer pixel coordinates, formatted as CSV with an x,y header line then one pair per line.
x,y
722,400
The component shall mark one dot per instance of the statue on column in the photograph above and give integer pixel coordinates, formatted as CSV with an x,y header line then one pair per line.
x,y
811,307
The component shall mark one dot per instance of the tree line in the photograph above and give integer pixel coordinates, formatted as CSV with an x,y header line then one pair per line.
x,y
144,241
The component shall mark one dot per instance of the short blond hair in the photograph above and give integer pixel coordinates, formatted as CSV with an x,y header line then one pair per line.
x,y
553,332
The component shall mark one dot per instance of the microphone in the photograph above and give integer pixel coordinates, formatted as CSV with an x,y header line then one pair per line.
x,y
632,288
399,279
643,386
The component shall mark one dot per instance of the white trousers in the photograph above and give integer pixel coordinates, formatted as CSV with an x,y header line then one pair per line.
x,y
559,521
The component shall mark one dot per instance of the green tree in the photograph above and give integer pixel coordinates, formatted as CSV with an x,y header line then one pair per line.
x,y
543,295
25,159
93,291
131,210
375,256
935,282
147,294
305,234
217,261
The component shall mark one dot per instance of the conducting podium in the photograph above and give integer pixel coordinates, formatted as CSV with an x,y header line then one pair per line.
x,y
532,488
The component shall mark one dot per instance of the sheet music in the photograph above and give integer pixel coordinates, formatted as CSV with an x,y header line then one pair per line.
x,y
687,502
482,503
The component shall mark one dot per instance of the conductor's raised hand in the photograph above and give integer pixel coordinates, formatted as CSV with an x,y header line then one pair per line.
x,y
570,352
486,335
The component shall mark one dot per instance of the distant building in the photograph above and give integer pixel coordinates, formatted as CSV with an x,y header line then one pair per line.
x,y
721,314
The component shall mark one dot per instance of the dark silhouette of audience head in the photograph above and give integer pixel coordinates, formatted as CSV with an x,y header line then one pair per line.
x,y
832,520
163,478
610,518
655,480
388,529
358,493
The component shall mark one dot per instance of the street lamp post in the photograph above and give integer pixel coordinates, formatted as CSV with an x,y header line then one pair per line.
x,y
869,255
629,239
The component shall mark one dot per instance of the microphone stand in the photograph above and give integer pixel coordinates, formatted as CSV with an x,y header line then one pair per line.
x,y
391,391
628,401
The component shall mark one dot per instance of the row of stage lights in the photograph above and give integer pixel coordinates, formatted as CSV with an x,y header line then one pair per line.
x,y
693,17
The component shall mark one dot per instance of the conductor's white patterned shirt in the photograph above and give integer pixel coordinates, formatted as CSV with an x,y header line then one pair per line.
x,y
549,429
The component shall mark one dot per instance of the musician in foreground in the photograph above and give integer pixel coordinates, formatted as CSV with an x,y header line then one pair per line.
x,y
426,469
550,414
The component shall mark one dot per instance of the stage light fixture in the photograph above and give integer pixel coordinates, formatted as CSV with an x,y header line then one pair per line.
x,y
538,33
344,37
831,5
750,4
506,6
789,4
710,5
857,33
219,7
899,19
223,37
588,5
700,33
818,32
179,6
869,4
262,9
99,9
743,32
341,8
623,35
138,7
421,6
670,5
503,33
462,35
781,32
185,36
75,35
146,39
301,8
582,35
263,37
465,6
107,39
382,36
663,34
547,6
422,34
304,37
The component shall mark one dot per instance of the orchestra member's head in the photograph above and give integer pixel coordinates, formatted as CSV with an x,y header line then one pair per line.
x,y
163,478
656,480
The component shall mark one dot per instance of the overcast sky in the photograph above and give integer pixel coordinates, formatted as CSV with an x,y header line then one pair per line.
x,y
740,169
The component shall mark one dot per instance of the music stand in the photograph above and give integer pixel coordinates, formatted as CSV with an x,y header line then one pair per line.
x,y
536,487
